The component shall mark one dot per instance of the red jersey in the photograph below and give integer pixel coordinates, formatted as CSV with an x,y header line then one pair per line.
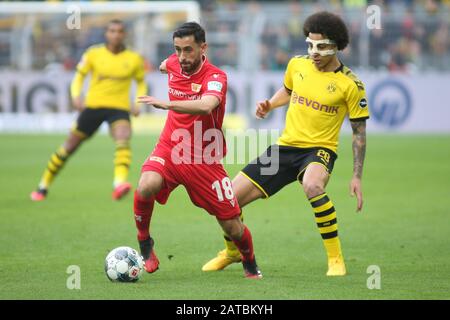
x,y
200,135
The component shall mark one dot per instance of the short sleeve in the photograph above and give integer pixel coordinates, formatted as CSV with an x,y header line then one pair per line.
x,y
288,75
172,61
215,85
85,64
357,104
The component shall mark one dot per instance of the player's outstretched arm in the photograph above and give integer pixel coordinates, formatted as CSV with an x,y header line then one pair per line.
x,y
359,153
205,105
280,98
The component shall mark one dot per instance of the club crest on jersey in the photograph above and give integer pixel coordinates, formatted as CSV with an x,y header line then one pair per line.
x,y
196,87
331,87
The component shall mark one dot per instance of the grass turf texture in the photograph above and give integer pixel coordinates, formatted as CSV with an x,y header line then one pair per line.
x,y
403,229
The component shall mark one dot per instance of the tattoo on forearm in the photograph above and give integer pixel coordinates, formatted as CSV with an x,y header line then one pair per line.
x,y
359,146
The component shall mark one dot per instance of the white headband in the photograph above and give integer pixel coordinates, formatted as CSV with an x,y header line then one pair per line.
x,y
315,48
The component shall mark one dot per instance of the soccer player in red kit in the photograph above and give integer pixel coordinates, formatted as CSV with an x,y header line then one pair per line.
x,y
190,148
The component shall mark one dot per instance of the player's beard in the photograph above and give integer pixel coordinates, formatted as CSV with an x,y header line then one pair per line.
x,y
191,66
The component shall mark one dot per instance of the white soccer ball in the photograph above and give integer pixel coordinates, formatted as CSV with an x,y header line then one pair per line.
x,y
124,264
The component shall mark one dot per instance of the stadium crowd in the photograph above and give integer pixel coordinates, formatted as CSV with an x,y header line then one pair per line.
x,y
252,35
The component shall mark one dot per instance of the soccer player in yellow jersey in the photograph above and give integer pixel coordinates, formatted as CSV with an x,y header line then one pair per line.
x,y
321,92
112,67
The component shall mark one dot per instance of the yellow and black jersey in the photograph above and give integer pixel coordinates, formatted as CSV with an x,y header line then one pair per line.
x,y
319,103
111,76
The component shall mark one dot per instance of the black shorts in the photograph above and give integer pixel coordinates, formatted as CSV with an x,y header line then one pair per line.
x,y
270,173
90,119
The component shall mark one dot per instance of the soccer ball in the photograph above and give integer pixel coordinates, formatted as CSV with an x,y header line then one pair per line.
x,y
123,264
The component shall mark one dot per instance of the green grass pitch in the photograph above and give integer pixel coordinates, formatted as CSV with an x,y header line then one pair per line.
x,y
404,228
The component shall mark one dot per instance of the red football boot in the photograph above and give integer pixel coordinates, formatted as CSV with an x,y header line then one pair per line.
x,y
251,269
121,190
151,262
38,195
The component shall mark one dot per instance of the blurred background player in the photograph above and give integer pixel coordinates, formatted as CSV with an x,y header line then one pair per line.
x,y
197,92
112,67
321,92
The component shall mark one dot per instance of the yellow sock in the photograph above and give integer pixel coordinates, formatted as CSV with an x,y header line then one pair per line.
x,y
122,161
54,165
333,247
327,224
229,244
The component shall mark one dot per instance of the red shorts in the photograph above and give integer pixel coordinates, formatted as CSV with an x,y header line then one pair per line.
x,y
208,185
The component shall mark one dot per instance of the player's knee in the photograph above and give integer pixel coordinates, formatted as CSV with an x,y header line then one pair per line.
x,y
121,131
72,144
234,229
233,234
245,191
313,188
70,148
122,135
145,189
148,186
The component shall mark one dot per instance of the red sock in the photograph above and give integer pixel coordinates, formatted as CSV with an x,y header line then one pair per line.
x,y
143,209
245,245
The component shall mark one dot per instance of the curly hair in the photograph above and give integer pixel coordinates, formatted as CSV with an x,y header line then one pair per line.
x,y
329,25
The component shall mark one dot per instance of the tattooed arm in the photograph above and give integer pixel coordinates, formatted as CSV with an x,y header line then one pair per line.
x,y
359,152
